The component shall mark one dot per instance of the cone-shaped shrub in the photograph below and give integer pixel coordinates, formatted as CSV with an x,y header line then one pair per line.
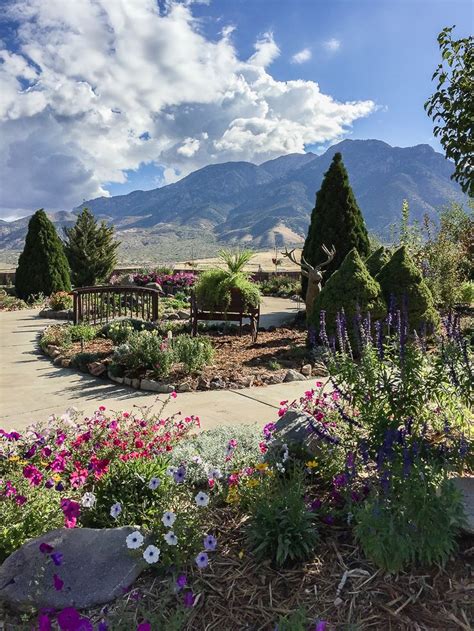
x,y
353,289
377,260
336,220
403,284
42,266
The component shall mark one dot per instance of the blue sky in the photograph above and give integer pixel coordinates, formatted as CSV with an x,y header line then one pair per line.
x,y
106,97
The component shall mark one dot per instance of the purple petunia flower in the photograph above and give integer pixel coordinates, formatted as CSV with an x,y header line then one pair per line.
x,y
202,560
58,583
45,548
210,543
57,558
181,581
188,599
180,474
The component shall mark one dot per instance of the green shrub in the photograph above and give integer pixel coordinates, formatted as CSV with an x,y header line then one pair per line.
x,y
56,335
466,293
280,285
351,288
82,332
417,522
193,352
81,360
145,350
60,300
119,331
377,260
127,483
214,289
401,281
281,528
42,266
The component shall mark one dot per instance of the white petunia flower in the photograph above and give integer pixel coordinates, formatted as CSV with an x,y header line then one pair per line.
x,y
168,518
171,471
171,539
197,459
151,554
154,483
134,540
115,510
216,474
202,499
88,500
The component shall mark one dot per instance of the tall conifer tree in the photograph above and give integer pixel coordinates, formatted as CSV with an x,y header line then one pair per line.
x,y
91,250
42,266
336,220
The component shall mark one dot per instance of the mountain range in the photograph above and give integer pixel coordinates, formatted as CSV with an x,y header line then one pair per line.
x,y
241,202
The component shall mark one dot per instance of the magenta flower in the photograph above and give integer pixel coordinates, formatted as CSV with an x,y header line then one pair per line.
x,y
144,626
32,474
44,623
188,599
181,581
68,619
45,548
321,626
71,510
58,583
20,500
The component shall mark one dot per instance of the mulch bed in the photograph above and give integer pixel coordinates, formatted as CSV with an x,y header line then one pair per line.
x,y
238,361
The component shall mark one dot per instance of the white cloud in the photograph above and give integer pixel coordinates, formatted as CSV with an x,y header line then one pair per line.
x,y
301,56
96,87
332,45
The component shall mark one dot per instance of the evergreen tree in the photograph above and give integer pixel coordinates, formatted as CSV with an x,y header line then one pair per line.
x,y
403,284
377,260
351,288
42,266
336,220
91,250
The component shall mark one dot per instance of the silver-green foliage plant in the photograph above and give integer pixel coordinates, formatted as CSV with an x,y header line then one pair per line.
x,y
145,350
208,456
193,352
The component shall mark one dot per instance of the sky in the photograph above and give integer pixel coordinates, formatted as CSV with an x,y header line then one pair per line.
x,y
102,97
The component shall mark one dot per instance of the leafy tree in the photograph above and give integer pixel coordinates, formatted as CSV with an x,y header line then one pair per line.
x,y
377,260
91,250
336,220
351,288
402,282
451,107
42,266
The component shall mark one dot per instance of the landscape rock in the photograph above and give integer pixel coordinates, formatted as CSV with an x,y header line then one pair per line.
x,y
217,383
319,370
293,427
307,370
203,384
55,353
154,286
66,363
156,386
173,316
96,568
133,383
182,314
96,368
113,377
184,387
57,360
466,486
293,375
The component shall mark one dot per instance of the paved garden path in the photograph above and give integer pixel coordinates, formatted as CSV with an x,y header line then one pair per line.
x,y
31,388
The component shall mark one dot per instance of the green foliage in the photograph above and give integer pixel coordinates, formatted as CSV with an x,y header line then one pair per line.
x,y
336,220
402,281
82,332
466,293
145,350
377,260
83,359
236,261
193,352
450,106
351,288
42,266
11,303
208,451
127,483
91,250
281,528
294,621
214,289
280,285
60,300
417,522
55,335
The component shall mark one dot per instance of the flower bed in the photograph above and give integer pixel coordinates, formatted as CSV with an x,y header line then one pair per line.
x,y
170,283
168,358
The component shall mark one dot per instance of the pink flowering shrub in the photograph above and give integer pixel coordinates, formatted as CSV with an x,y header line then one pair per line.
x,y
170,283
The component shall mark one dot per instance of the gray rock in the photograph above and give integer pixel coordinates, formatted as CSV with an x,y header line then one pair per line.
x,y
320,370
466,486
156,386
182,314
58,360
54,352
96,368
113,377
306,370
293,427
293,375
203,384
133,383
217,383
65,363
154,286
184,387
96,568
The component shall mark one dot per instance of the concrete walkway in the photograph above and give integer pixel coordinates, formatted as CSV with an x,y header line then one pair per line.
x,y
31,388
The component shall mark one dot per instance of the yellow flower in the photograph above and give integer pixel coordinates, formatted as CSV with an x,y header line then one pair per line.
x,y
261,466
14,458
57,477
44,463
311,464
23,462
233,495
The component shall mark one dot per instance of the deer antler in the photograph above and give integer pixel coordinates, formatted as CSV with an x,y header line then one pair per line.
x,y
304,265
330,255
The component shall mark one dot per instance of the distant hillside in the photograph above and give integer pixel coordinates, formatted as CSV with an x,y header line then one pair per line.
x,y
242,202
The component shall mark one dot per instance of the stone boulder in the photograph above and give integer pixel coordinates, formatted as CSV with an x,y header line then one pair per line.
x,y
466,486
96,568
293,375
294,428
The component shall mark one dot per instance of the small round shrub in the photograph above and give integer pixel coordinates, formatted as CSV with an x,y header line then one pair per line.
x,y
60,301
193,352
